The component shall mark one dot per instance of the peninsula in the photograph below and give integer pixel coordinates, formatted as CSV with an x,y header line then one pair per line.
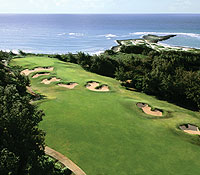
x,y
153,42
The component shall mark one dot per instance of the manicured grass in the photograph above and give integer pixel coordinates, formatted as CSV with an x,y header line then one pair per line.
x,y
105,133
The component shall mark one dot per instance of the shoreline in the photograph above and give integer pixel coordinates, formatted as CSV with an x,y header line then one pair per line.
x,y
127,42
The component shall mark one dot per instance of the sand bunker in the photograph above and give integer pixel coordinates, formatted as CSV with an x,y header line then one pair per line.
x,y
48,81
190,129
26,72
40,74
30,90
69,85
129,81
94,86
146,109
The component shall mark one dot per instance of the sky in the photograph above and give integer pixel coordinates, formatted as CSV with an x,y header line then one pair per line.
x,y
99,6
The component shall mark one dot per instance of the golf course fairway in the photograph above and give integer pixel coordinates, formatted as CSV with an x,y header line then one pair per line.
x,y
105,133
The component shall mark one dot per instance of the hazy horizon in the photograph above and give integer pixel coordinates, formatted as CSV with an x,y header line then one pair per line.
x,y
187,13
99,6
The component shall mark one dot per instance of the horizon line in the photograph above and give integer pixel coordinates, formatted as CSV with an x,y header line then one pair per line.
x,y
160,13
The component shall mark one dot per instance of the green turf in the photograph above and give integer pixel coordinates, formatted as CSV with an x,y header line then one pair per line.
x,y
105,133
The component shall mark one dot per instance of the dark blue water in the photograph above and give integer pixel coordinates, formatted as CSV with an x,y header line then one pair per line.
x,y
91,33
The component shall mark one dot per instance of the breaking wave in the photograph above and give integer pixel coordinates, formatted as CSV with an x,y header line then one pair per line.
x,y
194,35
75,34
108,35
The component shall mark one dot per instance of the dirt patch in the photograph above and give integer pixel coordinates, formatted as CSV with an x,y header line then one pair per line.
x,y
95,86
26,72
40,74
48,81
146,109
69,85
65,161
190,129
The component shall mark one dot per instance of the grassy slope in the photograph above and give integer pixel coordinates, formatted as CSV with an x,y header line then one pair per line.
x,y
105,133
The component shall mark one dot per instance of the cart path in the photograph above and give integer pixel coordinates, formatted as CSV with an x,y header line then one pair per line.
x,y
65,161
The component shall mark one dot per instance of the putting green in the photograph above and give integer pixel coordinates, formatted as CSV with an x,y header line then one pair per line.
x,y
105,133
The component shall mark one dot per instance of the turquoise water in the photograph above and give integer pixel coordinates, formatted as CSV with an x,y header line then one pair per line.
x,y
92,33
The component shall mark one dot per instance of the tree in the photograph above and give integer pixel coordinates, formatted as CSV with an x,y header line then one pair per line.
x,y
83,59
8,162
110,52
21,141
103,65
5,57
22,53
72,58
20,136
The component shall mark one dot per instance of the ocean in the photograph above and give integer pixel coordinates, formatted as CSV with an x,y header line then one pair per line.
x,y
90,33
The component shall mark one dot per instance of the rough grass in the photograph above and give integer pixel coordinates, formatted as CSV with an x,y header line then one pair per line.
x,y
105,133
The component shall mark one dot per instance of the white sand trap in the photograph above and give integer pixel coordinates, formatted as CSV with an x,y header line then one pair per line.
x,y
92,86
38,75
26,72
190,129
146,109
46,81
69,86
